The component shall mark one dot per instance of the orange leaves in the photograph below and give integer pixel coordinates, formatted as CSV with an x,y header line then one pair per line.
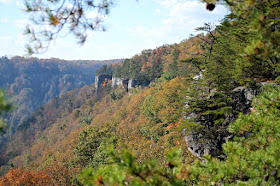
x,y
105,82
146,138
53,175
54,20
60,175
172,126
19,177
169,100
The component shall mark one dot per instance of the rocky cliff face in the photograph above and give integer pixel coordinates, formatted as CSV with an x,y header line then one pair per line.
x,y
133,83
116,81
198,144
102,80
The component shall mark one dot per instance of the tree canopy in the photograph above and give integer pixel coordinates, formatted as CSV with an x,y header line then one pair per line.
x,y
242,51
5,106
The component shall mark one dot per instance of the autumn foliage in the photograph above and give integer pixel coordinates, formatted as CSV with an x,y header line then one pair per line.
x,y
16,177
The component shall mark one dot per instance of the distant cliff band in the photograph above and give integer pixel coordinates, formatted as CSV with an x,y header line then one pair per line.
x,y
116,81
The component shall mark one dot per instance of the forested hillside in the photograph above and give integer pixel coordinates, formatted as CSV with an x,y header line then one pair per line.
x,y
151,114
152,107
51,135
33,82
217,91
166,61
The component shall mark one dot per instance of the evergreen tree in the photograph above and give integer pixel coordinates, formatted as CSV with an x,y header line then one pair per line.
x,y
253,157
5,106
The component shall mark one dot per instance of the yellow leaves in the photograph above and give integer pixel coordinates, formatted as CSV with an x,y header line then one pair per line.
x,y
144,68
249,2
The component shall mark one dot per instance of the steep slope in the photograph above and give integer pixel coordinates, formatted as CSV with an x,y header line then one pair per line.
x,y
40,138
35,127
239,52
51,135
33,82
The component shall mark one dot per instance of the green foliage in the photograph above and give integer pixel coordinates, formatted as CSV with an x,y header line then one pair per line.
x,y
208,110
258,19
264,21
223,67
118,93
253,157
148,109
165,101
92,143
5,106
152,64
90,140
124,169
100,156
242,50
104,70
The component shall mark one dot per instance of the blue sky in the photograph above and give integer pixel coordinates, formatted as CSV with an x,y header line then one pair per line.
x,y
132,26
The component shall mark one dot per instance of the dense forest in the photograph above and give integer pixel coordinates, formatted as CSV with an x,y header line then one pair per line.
x,y
218,90
164,61
34,82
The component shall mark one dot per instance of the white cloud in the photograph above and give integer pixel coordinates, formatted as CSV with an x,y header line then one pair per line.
x,y
187,15
5,38
96,14
172,21
21,5
8,47
158,11
167,3
4,20
181,18
20,41
5,1
21,23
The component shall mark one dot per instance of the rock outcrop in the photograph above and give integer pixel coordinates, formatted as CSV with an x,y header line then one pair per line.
x,y
198,144
116,81
102,80
132,83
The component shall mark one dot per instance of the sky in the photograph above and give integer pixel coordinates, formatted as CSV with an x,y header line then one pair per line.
x,y
132,26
